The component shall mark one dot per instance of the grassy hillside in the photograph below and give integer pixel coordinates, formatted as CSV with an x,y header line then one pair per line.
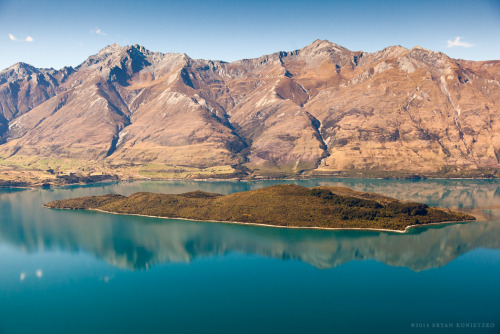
x,y
280,205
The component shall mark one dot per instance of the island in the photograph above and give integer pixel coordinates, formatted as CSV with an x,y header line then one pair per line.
x,y
284,205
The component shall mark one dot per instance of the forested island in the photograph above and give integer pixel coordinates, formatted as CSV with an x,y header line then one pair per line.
x,y
280,205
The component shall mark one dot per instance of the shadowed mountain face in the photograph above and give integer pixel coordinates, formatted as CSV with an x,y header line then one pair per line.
x,y
321,109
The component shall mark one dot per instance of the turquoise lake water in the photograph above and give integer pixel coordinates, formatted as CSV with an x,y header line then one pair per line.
x,y
89,272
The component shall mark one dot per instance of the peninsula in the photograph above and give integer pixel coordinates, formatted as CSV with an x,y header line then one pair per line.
x,y
283,205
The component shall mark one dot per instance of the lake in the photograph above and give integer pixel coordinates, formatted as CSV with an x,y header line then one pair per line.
x,y
88,272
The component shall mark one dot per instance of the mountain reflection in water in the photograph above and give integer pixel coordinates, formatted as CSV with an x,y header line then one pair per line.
x,y
140,242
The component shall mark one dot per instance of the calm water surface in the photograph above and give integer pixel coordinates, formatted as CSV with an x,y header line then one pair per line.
x,y
89,272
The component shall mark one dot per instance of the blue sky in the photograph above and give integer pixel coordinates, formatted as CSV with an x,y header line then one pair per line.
x,y
58,33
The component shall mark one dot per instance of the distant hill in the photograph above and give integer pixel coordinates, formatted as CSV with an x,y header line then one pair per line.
x,y
320,110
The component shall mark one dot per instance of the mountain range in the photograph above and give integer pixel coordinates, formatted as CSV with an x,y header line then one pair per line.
x,y
319,110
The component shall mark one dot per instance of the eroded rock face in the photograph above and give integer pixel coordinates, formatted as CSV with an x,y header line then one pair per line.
x,y
320,109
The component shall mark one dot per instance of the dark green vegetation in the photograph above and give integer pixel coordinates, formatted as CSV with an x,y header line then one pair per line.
x,y
446,172
280,205
12,184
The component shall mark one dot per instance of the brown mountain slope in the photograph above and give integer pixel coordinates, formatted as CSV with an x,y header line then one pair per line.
x,y
319,110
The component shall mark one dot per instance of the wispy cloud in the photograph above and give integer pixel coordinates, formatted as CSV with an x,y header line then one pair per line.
x,y
458,42
28,39
98,31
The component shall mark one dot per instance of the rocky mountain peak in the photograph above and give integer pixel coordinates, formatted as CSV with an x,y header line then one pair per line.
x,y
21,69
390,52
18,71
394,50
429,57
322,46
117,49
322,50
324,43
138,48
132,58
113,48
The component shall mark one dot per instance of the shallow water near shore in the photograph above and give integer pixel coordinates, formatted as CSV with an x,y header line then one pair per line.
x,y
79,272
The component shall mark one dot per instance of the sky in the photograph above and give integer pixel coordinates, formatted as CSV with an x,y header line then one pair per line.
x,y
54,34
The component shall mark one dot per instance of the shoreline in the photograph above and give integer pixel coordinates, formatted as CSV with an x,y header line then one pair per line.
x,y
58,186
407,228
